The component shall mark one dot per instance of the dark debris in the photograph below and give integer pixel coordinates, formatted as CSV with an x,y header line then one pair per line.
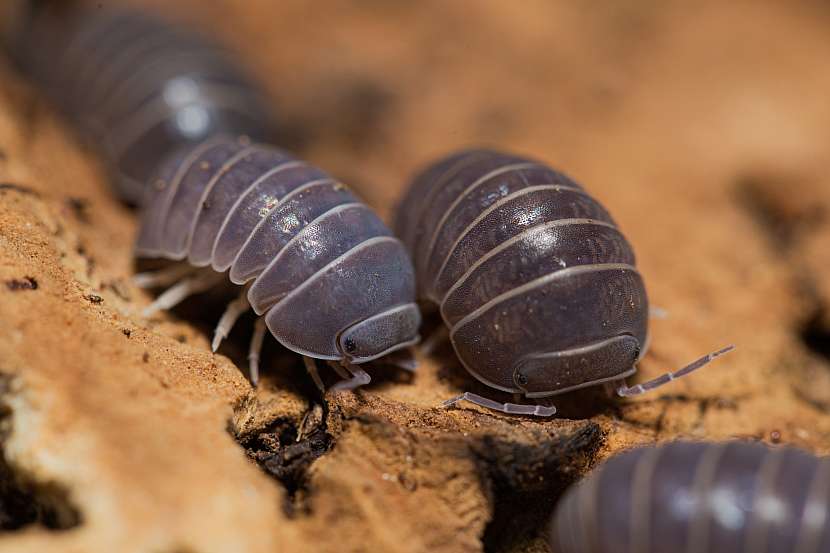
x,y
815,335
26,283
18,188
80,208
526,482
285,453
24,501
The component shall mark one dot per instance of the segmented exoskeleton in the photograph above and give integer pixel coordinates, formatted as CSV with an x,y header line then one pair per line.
x,y
533,277
174,115
327,275
136,86
689,497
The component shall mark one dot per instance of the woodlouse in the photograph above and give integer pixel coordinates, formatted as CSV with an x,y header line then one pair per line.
x,y
138,87
699,497
534,279
329,278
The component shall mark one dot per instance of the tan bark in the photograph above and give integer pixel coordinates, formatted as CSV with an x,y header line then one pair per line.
x,y
706,137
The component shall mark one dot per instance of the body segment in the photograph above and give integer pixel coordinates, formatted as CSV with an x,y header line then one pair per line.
x,y
322,269
138,87
700,497
537,284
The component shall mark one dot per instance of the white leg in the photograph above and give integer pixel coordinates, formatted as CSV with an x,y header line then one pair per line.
x,y
625,391
359,378
255,349
163,277
232,312
409,365
510,408
338,368
311,367
402,359
178,292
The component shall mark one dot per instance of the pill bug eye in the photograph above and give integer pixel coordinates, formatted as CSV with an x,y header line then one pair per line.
x,y
350,346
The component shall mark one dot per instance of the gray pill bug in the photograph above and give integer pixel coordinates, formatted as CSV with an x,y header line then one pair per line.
x,y
137,87
532,276
329,279
689,497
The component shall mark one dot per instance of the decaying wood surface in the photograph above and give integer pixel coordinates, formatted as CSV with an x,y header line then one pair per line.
x,y
703,131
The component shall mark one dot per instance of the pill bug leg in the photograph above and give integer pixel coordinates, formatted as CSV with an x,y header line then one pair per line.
x,y
181,290
232,312
358,378
352,375
163,277
626,391
510,408
338,368
311,366
402,359
255,348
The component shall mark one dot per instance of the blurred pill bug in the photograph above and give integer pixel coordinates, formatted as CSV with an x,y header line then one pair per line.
x,y
138,87
535,281
326,274
729,497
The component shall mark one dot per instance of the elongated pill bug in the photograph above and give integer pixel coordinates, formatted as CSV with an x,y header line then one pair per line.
x,y
137,87
534,279
698,497
162,104
328,277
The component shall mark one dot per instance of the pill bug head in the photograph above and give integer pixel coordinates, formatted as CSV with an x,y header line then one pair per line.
x,y
546,374
384,315
380,334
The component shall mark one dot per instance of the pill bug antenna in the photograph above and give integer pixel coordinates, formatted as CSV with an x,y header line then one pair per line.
x,y
654,383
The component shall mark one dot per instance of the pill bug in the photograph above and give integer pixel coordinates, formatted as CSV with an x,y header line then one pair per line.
x,y
328,277
699,498
535,281
137,87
